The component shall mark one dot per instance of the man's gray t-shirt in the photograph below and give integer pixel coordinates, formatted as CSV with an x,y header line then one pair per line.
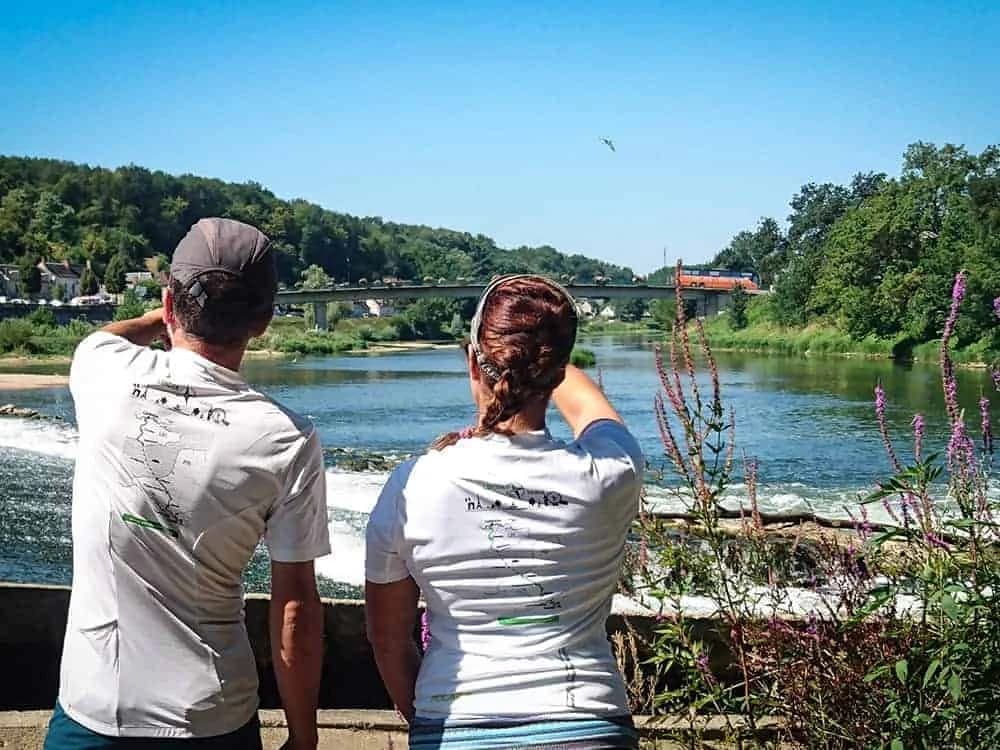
x,y
182,469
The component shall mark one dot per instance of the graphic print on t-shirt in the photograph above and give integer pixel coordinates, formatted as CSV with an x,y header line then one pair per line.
x,y
152,454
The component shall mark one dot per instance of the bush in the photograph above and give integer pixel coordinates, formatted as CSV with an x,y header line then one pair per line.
x,y
901,646
15,333
583,358
131,307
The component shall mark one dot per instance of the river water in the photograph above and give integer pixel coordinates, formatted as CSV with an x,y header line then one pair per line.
x,y
809,423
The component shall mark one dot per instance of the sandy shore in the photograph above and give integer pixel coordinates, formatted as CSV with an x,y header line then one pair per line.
x,y
14,381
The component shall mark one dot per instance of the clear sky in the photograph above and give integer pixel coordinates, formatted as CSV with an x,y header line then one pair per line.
x,y
485,117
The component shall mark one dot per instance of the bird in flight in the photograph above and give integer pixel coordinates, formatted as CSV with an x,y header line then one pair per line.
x,y
608,142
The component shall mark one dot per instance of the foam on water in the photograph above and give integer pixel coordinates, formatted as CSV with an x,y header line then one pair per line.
x,y
43,436
351,496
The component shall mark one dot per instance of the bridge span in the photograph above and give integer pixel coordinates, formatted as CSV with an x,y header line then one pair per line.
x,y
709,301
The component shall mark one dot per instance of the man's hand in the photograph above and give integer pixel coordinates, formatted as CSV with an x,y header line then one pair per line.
x,y
141,331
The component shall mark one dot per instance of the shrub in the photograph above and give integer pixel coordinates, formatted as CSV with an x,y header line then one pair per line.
x,y
583,358
15,333
901,647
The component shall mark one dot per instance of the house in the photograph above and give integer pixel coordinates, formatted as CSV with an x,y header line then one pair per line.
x,y
10,277
609,312
584,309
379,308
60,274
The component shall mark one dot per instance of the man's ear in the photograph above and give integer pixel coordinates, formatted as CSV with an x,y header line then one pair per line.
x,y
168,307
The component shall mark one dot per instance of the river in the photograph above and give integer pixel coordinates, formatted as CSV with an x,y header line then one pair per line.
x,y
809,422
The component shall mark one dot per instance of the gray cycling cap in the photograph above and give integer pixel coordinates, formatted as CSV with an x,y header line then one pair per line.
x,y
222,245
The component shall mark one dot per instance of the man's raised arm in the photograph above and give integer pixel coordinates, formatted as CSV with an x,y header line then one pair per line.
x,y
141,331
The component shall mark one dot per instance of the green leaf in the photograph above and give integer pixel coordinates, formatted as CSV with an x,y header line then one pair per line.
x,y
932,668
875,674
897,744
950,608
955,687
902,670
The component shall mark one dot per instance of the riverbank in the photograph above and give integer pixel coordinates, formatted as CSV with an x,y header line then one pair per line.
x,y
23,381
826,341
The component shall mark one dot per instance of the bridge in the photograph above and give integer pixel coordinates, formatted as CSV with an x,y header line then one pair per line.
x,y
709,301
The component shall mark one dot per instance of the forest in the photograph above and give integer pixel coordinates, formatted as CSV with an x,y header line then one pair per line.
x,y
877,257
116,218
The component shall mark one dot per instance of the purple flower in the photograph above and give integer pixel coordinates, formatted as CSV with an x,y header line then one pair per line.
x,y
918,435
883,427
865,528
425,631
957,295
987,430
996,379
701,662
996,307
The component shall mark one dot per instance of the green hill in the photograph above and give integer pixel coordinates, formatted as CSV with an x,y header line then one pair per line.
x,y
60,210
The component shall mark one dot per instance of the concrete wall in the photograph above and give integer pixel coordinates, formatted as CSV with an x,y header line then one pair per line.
x,y
33,622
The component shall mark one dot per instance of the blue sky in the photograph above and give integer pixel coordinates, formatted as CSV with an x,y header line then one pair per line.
x,y
485,117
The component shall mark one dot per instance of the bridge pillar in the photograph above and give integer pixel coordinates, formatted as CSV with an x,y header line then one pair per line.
x,y
319,315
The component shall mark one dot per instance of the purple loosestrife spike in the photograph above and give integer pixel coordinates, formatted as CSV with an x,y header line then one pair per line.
x,y
987,429
957,295
996,307
425,631
918,435
866,525
889,509
883,428
947,367
996,379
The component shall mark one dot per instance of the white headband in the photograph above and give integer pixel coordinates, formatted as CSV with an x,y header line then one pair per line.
x,y
491,370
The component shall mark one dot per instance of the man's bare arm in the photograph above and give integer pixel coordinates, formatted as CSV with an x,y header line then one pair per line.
x,y
141,331
296,622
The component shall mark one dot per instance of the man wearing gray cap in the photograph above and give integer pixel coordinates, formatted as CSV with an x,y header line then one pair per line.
x,y
182,468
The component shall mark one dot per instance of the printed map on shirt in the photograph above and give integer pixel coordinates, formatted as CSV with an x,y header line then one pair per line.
x,y
516,544
182,469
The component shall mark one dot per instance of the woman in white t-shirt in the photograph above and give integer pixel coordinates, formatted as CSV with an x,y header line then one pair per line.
x,y
515,540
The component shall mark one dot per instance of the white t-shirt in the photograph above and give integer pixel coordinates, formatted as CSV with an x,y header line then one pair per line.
x,y
182,468
516,544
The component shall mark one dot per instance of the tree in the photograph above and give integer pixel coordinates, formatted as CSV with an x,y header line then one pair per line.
x,y
114,274
88,282
738,307
632,309
30,278
432,318
314,277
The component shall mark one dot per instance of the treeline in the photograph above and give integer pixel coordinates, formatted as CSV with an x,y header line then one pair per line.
x,y
878,257
117,218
